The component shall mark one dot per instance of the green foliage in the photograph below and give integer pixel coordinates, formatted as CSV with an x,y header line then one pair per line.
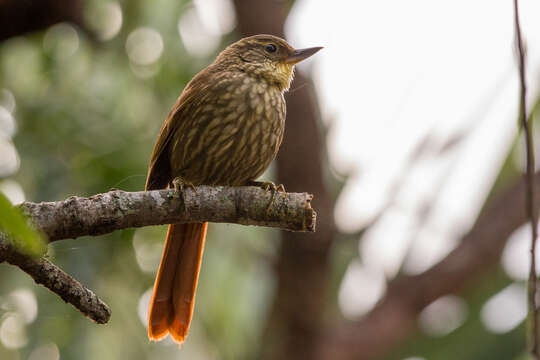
x,y
14,224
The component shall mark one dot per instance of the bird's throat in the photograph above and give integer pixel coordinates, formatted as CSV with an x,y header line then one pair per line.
x,y
284,75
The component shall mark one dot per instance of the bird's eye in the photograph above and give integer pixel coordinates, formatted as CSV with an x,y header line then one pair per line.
x,y
271,48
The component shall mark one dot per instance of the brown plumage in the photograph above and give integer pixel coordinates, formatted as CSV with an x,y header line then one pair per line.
x,y
225,129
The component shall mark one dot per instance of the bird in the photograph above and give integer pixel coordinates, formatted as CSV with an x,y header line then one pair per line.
x,y
224,129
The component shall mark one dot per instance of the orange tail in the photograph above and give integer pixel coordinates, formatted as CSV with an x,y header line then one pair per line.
x,y
173,298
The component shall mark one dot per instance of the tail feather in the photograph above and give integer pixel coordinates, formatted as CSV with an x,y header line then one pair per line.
x,y
173,298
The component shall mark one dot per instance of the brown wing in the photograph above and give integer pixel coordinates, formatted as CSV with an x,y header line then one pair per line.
x,y
159,169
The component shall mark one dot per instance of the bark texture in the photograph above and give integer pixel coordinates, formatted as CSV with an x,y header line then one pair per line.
x,y
115,210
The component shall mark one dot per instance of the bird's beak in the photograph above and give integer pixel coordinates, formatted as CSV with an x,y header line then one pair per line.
x,y
301,54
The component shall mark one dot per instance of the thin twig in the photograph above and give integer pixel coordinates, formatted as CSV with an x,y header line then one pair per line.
x,y
55,279
529,178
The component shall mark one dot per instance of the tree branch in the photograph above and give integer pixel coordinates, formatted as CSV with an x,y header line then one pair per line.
x,y
55,279
115,210
529,180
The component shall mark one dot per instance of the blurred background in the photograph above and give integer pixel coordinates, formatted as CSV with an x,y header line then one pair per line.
x,y
404,128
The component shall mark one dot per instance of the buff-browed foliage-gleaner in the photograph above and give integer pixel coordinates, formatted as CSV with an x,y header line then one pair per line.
x,y
225,129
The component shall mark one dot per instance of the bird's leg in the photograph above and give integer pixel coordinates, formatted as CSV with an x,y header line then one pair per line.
x,y
180,184
281,188
269,185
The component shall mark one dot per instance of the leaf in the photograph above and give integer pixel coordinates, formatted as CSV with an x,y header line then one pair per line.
x,y
13,223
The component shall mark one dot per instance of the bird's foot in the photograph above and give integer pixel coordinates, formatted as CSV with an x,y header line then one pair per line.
x,y
270,186
180,185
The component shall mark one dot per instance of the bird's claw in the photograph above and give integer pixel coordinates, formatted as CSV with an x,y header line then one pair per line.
x,y
180,185
281,188
270,186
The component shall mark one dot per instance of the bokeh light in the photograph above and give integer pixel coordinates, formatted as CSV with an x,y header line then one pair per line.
x,y
386,254
147,252
7,100
197,39
61,40
144,46
7,123
23,302
13,333
22,68
506,309
142,308
515,257
217,16
106,19
360,290
9,162
12,190
48,351
443,316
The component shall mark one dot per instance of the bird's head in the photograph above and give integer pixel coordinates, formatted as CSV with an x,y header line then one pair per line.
x,y
265,57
